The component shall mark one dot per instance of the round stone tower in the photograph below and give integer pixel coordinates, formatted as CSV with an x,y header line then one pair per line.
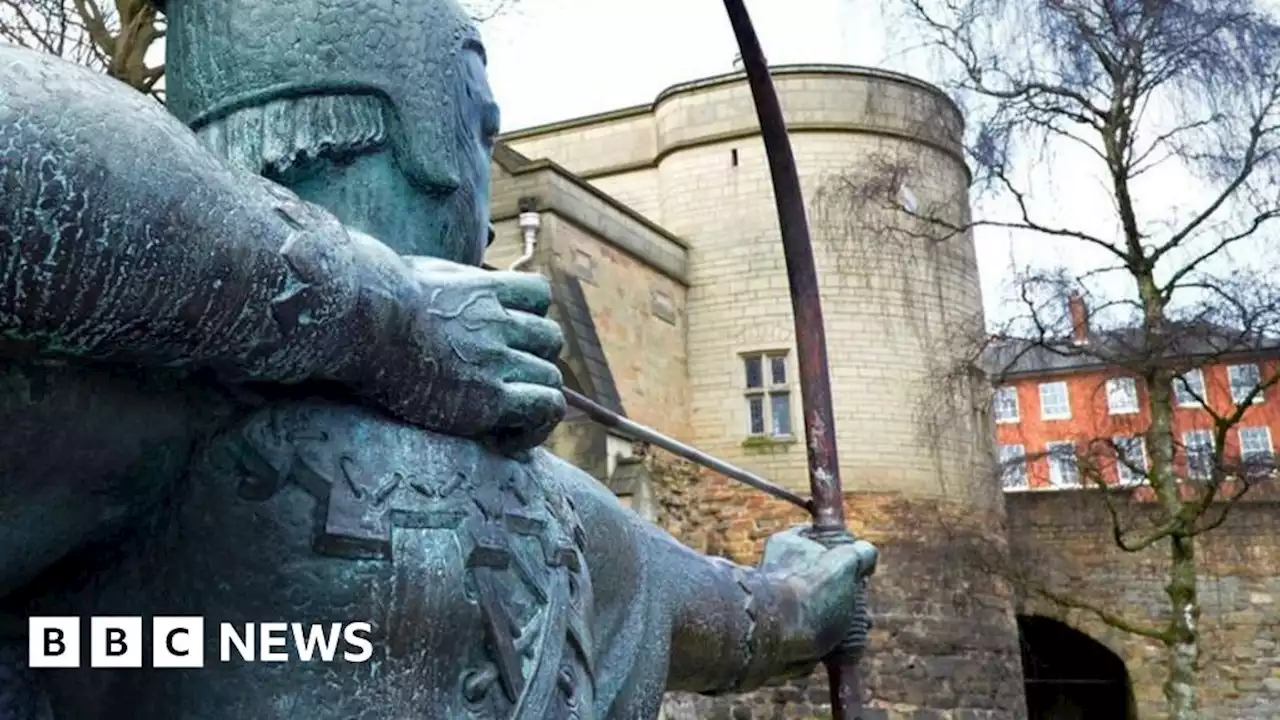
x,y
900,296
877,153
866,144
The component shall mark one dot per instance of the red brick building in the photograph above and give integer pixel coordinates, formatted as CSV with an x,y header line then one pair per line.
x,y
1063,410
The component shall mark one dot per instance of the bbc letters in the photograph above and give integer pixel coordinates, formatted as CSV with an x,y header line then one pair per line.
x,y
179,642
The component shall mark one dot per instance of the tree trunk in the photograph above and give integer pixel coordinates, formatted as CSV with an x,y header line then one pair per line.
x,y
1180,689
1182,641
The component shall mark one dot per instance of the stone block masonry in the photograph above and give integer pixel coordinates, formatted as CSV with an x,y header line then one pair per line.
x,y
1067,536
946,646
944,643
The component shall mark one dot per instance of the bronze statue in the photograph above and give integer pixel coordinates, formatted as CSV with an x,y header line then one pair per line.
x,y
250,372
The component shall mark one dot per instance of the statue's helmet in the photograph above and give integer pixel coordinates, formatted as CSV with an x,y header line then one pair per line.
x,y
225,55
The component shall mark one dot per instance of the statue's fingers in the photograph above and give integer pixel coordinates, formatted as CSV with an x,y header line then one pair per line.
x,y
436,266
868,555
520,368
790,550
529,414
842,565
526,292
534,334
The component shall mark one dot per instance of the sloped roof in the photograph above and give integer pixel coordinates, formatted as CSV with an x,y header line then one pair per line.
x,y
1184,342
583,351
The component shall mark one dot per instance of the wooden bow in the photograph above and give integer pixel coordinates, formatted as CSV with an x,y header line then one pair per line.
x,y
827,497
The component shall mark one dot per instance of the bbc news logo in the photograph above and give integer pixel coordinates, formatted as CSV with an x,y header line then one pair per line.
x,y
179,642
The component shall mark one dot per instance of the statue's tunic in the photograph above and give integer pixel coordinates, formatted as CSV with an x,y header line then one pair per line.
x,y
473,570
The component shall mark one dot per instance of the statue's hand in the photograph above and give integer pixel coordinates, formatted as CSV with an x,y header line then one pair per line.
x,y
827,583
476,357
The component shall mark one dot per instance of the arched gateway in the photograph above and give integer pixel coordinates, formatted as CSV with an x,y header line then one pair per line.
x,y
1071,676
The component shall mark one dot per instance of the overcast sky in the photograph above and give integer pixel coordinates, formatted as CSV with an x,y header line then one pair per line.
x,y
557,59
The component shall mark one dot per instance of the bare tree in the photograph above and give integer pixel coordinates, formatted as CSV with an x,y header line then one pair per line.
x,y
486,10
118,36
114,36
1173,109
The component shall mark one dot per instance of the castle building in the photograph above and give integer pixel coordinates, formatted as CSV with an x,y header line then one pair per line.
x,y
657,227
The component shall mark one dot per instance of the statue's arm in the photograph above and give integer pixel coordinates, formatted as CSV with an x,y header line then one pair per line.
x,y
122,239
733,627
128,242
702,624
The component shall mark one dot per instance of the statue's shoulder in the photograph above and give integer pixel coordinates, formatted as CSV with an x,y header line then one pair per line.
x,y
84,124
32,81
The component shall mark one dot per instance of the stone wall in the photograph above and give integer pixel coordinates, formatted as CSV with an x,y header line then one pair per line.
x,y
944,643
639,315
679,504
590,145
718,196
638,309
613,150
1067,535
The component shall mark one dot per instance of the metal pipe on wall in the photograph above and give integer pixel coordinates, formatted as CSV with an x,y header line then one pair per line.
x,y
529,222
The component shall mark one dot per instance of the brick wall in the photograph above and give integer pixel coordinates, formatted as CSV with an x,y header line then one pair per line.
x,y
1066,536
1091,420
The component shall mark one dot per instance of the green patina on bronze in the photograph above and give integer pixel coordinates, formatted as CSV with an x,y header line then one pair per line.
x,y
250,371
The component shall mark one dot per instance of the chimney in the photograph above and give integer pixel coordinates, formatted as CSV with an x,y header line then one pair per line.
x,y
1079,318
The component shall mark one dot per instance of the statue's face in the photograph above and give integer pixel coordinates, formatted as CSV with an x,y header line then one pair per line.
x,y
479,120
286,90
423,185
377,192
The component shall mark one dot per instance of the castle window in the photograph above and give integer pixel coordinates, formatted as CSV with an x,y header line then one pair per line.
x,y
1122,395
1188,389
1244,380
1013,467
768,394
1004,405
1063,468
1054,401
